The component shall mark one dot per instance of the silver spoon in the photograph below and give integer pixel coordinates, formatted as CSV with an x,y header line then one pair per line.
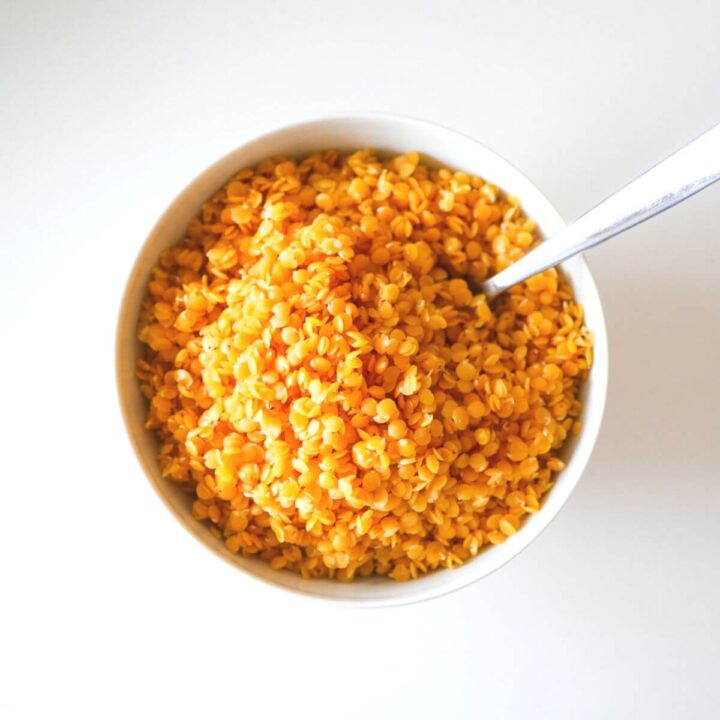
x,y
676,178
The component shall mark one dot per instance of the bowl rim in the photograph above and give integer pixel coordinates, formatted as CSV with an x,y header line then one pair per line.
x,y
599,371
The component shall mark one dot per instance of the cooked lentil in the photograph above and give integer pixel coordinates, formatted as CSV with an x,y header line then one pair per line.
x,y
332,392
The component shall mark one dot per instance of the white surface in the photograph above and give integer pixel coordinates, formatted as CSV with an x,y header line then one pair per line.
x,y
384,133
108,608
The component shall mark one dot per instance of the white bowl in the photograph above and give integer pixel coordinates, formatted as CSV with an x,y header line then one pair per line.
x,y
385,134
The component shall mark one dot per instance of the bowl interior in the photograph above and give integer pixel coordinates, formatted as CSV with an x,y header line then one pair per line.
x,y
385,134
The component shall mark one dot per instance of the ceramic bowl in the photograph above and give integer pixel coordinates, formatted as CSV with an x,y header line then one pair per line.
x,y
387,134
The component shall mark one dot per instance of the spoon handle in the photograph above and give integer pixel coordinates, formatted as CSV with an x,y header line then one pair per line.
x,y
679,176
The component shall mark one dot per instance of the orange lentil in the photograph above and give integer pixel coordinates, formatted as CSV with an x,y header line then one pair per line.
x,y
386,409
397,429
322,377
466,370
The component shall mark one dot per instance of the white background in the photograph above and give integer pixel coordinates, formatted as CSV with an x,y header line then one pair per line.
x,y
108,608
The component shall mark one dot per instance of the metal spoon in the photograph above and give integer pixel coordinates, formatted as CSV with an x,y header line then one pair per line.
x,y
676,178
